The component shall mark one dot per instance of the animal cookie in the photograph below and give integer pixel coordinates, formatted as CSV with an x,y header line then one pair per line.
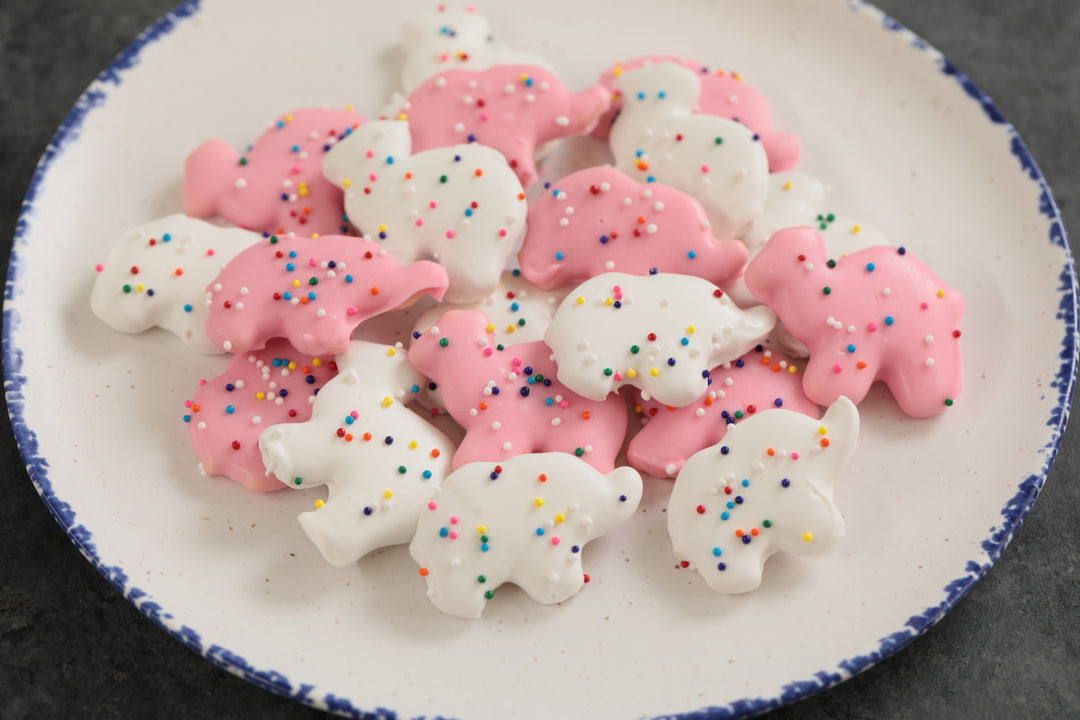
x,y
451,39
598,220
311,291
157,274
524,521
767,487
461,205
762,379
382,462
277,185
512,108
508,399
723,94
658,138
660,333
276,384
877,314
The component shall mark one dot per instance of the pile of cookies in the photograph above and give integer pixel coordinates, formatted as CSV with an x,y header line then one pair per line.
x,y
696,287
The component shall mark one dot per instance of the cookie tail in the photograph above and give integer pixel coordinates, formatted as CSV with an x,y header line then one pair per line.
x,y
209,173
782,149
587,107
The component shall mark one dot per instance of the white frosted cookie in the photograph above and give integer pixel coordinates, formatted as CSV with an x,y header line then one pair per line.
x,y
657,137
157,273
461,205
381,462
767,486
660,333
523,521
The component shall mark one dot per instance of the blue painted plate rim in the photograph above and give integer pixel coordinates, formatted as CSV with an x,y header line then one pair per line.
x,y
1013,513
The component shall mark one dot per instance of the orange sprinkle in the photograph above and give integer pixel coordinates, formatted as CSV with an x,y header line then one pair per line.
x,y
367,436
861,364
641,220
307,369
521,196
543,477
825,442
739,533
423,572
304,300
755,532
408,176
435,453
482,406
374,291
586,414
195,407
479,172
770,452
307,211
708,401
179,272
348,437
764,361
776,367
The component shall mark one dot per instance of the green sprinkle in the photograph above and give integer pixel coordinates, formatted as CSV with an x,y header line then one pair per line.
x,y
608,371
948,402
313,281
444,342
299,481
719,141
826,290
738,414
830,217
401,469
831,263
481,579
521,322
766,523
443,178
273,239
579,452
127,288
489,594
483,538
500,347
243,161
635,349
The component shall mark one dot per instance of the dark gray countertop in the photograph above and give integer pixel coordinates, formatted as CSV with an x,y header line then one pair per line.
x,y
71,646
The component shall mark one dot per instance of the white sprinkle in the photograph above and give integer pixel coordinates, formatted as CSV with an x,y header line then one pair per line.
x,y
460,127
556,421
658,206
255,419
609,265
886,292
496,425
321,313
929,339
627,202
507,446
562,121
670,468
530,98
929,362
241,183
440,82
700,412
651,229
604,187
809,266
227,345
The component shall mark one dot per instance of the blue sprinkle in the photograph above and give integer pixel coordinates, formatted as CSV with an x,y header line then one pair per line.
x,y
524,392
851,348
539,531
283,392
622,498
468,212
549,402
641,96
150,292
671,362
389,159
388,440
691,254
650,179
310,379
746,482
889,320
639,153
166,237
604,239
471,138
717,552
559,256
738,500
685,341
229,387
416,388
188,308
514,307
443,532
725,515
349,419
516,272
367,510
617,304
495,391
287,295
427,474
292,253
661,94
870,267
901,251
296,148
348,278
276,362
785,482
724,449
575,549
740,363
484,547
730,505
778,402
290,267
230,409
311,296
745,539
721,567
187,418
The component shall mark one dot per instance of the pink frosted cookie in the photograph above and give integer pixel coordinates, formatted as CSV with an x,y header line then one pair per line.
x,y
877,314
157,274
598,220
276,384
312,291
453,39
658,138
461,205
508,398
381,462
767,487
660,333
723,94
524,521
759,380
277,185
512,108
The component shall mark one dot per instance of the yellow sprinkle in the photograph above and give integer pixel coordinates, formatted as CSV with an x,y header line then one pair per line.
x,y
387,401
617,71
402,116
808,537
490,327
631,373
941,293
559,518
382,228
691,330
314,235
140,288
538,502
481,529
348,108
637,408
792,369
580,300
303,189
609,301
787,185
260,395
856,229
346,182
524,77
391,352
319,504
413,445
296,283
654,372
510,329
388,494
292,365
737,76
316,362
288,118
822,430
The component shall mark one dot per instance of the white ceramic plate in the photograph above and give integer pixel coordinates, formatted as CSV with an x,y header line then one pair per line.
x,y
906,143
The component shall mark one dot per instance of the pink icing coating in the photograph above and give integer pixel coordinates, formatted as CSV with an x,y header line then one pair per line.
x,y
723,94
879,314
584,223
278,185
511,108
336,282
759,380
227,441
530,414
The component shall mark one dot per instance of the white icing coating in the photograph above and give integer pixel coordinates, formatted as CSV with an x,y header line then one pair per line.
x,y
450,40
527,525
462,205
371,502
735,490
602,321
716,160
166,264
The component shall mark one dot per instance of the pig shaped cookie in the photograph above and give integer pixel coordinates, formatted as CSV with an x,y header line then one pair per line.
x,y
277,185
461,205
157,274
381,462
599,220
658,138
723,94
660,333
276,384
511,108
523,521
453,39
313,292
768,486
877,314
508,398
762,379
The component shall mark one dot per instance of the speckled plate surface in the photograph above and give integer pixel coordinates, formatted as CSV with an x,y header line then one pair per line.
x,y
905,142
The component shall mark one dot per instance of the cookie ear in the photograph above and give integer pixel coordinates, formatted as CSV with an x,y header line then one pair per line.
x,y
208,176
841,421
